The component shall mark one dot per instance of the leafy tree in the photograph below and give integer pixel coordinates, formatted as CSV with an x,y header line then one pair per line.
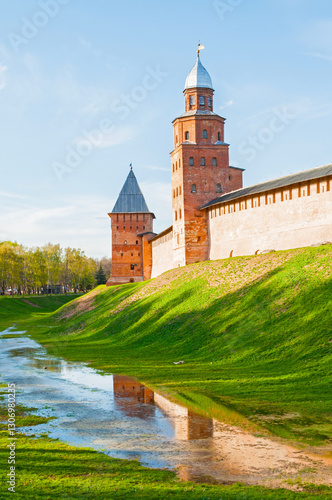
x,y
30,270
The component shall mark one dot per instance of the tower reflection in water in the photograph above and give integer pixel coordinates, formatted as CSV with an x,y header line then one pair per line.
x,y
136,400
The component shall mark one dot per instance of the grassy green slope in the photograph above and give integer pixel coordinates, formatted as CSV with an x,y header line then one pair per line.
x,y
19,308
255,334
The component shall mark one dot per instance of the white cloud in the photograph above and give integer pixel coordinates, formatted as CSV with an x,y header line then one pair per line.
x,y
4,53
119,136
158,196
159,169
227,104
84,42
319,55
83,223
318,110
3,70
317,35
6,194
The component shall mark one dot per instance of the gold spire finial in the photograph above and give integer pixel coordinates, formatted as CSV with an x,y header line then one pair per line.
x,y
200,47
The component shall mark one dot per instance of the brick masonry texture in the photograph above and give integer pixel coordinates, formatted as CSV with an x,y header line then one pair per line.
x,y
295,216
127,246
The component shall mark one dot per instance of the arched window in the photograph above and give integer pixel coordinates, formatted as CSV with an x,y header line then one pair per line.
x,y
204,134
202,161
193,188
192,100
210,102
191,160
219,135
218,188
214,162
187,136
201,100
125,242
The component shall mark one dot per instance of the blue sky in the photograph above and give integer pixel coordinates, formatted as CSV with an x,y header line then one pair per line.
x,y
87,87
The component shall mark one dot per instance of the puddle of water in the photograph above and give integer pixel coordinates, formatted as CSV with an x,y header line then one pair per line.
x,y
122,418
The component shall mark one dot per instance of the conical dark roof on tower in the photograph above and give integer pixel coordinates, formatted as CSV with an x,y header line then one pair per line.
x,y
131,199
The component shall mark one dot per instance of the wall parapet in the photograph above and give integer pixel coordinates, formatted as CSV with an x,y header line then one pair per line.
x,y
288,216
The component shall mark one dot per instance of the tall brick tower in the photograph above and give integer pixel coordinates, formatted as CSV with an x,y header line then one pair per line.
x,y
200,167
132,225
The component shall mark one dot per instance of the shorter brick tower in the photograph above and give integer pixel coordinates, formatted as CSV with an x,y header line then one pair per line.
x,y
132,226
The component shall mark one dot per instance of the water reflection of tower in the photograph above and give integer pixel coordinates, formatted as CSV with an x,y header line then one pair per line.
x,y
133,397
188,425
136,400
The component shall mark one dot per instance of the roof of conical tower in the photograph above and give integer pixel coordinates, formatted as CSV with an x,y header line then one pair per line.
x,y
131,199
198,77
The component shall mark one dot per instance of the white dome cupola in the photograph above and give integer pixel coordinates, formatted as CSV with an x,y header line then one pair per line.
x,y
198,77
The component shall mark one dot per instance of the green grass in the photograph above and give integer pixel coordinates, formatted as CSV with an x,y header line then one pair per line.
x,y
255,334
18,308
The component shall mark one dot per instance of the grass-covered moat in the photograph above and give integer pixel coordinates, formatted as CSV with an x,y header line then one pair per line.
x,y
255,334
